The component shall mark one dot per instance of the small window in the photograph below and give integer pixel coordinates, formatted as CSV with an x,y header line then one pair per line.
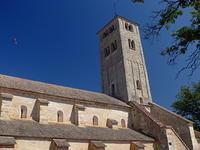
x,y
131,44
108,31
105,34
60,116
112,28
113,89
107,51
139,86
95,120
126,26
123,123
23,112
141,100
130,27
114,45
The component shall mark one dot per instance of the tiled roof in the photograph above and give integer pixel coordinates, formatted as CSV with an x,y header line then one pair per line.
x,y
29,128
56,90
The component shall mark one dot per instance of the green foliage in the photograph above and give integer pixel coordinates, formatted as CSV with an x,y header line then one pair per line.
x,y
188,103
186,38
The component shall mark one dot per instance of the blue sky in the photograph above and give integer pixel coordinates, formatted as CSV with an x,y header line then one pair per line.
x,y
58,43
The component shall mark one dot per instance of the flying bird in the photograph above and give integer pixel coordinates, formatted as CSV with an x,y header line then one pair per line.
x,y
15,41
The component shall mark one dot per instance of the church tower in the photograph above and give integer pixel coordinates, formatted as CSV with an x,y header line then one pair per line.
x,y
123,69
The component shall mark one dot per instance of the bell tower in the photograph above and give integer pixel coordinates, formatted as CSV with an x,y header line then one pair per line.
x,y
123,69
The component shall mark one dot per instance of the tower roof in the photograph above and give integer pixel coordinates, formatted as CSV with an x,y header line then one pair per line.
x,y
116,17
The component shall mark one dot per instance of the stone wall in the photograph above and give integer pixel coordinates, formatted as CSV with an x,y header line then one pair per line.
x,y
182,126
48,113
174,142
32,144
143,122
112,66
134,63
123,67
44,144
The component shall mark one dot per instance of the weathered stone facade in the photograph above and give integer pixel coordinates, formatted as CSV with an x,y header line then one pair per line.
x,y
40,128
40,116
125,66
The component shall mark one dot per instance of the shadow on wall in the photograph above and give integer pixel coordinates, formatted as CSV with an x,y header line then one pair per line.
x,y
35,114
74,116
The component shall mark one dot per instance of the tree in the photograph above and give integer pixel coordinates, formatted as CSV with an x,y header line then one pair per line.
x,y
186,38
188,103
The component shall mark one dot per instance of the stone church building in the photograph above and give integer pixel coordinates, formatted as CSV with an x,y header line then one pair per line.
x,y
41,116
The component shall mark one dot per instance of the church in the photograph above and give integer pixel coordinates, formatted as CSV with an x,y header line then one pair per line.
x,y
41,116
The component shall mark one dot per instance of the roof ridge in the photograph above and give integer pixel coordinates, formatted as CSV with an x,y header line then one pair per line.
x,y
42,82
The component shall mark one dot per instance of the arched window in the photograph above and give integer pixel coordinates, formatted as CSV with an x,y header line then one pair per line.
x,y
95,120
23,111
126,26
60,116
123,123
139,85
112,28
131,44
130,27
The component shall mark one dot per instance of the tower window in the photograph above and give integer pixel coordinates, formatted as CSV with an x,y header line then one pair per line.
x,y
130,27
113,89
139,85
123,123
108,31
131,44
107,51
112,28
141,100
114,45
126,26
23,111
95,120
105,34
59,116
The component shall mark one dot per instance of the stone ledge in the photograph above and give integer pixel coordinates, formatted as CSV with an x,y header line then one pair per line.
x,y
6,96
61,143
98,144
79,107
43,101
4,140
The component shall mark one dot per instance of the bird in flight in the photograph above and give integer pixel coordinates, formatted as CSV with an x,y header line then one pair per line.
x,y
15,41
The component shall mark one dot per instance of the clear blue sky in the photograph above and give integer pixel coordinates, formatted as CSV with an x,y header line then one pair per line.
x,y
58,43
